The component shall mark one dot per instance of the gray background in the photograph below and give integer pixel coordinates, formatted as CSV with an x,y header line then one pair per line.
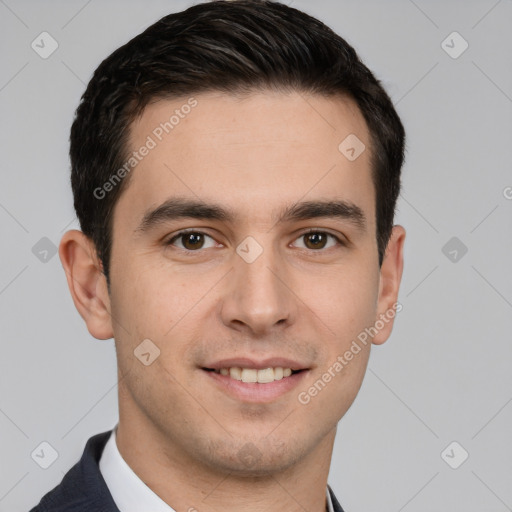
x,y
443,376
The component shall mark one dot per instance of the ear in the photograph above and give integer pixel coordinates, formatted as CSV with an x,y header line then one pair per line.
x,y
389,284
87,283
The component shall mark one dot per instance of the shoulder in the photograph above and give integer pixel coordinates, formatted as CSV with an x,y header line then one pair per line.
x,y
82,487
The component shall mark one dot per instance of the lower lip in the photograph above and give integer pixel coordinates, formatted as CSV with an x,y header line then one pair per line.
x,y
253,391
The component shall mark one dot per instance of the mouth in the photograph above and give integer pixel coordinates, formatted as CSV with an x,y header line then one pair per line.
x,y
254,375
252,382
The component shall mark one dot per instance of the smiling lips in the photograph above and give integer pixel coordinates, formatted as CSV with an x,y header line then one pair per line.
x,y
261,381
263,376
261,372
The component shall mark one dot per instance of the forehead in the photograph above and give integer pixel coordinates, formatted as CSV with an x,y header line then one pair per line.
x,y
252,153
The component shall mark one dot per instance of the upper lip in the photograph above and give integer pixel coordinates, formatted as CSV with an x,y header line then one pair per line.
x,y
257,364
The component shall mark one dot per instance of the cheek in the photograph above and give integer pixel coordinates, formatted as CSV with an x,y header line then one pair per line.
x,y
159,303
346,304
345,299
151,307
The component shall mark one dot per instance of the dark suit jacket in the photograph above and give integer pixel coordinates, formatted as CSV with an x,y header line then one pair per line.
x,y
83,488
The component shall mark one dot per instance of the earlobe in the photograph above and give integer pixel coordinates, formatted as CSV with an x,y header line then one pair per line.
x,y
390,277
86,282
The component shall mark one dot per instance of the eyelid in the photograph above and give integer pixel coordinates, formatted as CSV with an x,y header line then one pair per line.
x,y
170,241
339,239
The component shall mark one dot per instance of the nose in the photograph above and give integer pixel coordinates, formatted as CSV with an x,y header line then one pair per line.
x,y
258,299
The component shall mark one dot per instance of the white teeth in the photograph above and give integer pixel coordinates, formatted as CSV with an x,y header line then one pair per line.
x,y
266,375
249,375
235,373
252,375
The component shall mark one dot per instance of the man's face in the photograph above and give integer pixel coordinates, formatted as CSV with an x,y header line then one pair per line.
x,y
217,299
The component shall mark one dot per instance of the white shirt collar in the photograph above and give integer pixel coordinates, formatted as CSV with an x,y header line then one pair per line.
x,y
129,492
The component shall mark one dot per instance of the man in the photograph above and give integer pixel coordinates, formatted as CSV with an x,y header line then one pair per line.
x,y
235,170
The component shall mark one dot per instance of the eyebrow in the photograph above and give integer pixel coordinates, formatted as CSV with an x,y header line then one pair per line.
x,y
179,208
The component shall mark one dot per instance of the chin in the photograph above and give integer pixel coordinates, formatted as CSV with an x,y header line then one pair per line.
x,y
258,458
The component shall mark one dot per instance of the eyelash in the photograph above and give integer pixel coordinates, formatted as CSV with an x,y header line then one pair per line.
x,y
309,231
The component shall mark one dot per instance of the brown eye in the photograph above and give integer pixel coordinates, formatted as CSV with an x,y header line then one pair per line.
x,y
317,240
191,240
